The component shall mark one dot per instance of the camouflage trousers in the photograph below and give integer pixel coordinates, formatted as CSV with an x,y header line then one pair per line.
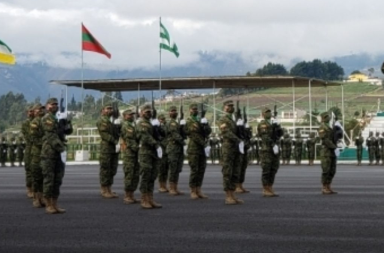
x,y
162,168
311,154
12,155
27,166
3,156
231,168
175,165
359,154
198,164
53,172
378,154
108,167
131,172
328,166
286,154
243,165
298,154
148,172
270,164
37,173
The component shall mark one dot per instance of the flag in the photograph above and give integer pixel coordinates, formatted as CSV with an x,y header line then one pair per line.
x,y
90,43
165,41
6,55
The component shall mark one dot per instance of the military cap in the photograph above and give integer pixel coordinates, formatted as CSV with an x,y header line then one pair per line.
x,y
228,102
266,109
30,108
191,106
128,112
107,105
324,115
161,116
172,108
37,106
52,101
146,108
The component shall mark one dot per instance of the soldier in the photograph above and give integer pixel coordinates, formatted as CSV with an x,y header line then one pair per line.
x,y
149,153
329,153
197,130
12,149
163,163
371,144
20,142
359,140
25,130
3,150
382,147
53,157
378,151
255,145
244,160
270,133
286,148
130,150
174,150
36,134
310,145
109,148
298,145
214,142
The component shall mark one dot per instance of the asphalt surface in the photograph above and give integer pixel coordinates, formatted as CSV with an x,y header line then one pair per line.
x,y
300,220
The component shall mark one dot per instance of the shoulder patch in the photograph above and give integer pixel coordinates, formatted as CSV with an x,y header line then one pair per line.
x,y
48,122
223,125
34,125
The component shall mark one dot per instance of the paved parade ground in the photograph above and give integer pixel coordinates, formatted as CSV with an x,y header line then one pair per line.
x,y
300,220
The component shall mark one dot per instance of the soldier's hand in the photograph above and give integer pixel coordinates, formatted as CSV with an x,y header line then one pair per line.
x,y
182,122
155,122
241,147
275,121
159,151
204,121
337,152
240,122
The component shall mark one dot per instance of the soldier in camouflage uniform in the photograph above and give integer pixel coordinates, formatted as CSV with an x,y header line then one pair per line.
x,y
162,165
20,149
371,144
51,158
382,147
130,150
244,160
12,149
329,151
359,141
231,154
310,145
3,150
36,134
197,130
286,148
109,148
174,150
149,154
214,142
378,151
298,145
270,133
25,130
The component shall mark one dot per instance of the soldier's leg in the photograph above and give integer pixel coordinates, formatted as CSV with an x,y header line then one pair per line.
x,y
48,167
193,161
145,164
163,168
154,172
104,174
266,166
59,172
173,173
228,169
326,168
201,169
28,172
114,165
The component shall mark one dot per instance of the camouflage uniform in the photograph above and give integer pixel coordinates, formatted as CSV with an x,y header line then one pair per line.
x,y
197,133
12,149
371,144
378,150
270,162
20,149
25,130
310,145
255,143
162,165
214,142
382,147
286,148
298,144
130,157
359,141
3,151
108,157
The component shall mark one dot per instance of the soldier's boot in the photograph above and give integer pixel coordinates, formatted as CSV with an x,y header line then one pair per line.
x,y
200,194
244,190
105,193
152,202
325,190
49,208
144,201
58,209
172,189
270,187
238,189
128,198
283,161
229,200
266,191
238,201
20,164
163,186
194,193
177,189
36,200
43,200
114,194
103,190
330,189
29,192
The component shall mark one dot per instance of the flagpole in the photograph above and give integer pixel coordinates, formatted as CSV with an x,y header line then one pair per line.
x,y
160,63
82,91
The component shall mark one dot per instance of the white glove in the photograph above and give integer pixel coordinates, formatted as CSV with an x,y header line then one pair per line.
x,y
247,125
63,156
337,123
155,122
275,149
185,148
337,152
207,150
182,122
275,121
159,151
240,122
117,121
241,147
366,148
61,115
204,121
117,149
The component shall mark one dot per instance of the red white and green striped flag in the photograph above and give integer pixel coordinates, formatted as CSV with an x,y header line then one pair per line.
x,y
90,43
6,55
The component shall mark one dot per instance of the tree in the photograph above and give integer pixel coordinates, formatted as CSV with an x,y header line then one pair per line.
x,y
317,69
371,71
271,69
355,72
72,104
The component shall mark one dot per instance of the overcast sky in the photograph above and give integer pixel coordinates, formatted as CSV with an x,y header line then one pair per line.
x,y
260,30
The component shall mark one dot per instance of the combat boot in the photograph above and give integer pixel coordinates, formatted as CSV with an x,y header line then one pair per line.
x,y
283,162
172,189
244,190
325,190
238,201
200,194
49,208
128,198
194,193
58,209
177,189
29,192
330,189
114,194
144,201
228,198
153,202
163,186
238,189
266,191
106,194
272,190
103,190
36,200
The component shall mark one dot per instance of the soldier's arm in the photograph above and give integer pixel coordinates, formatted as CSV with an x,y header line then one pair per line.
x,y
194,134
105,134
227,133
50,134
146,137
174,133
325,140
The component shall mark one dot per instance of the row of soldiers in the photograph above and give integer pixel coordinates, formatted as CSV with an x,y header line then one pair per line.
x,y
374,145
12,150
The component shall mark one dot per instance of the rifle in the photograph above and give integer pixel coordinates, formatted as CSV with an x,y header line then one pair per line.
x,y
247,131
65,126
181,117
116,115
238,111
203,112
277,132
156,129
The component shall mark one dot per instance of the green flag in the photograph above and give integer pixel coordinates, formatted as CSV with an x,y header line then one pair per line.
x,y
165,41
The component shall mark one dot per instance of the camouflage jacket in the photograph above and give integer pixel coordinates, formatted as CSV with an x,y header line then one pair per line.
x,y
298,143
52,145
148,144
108,134
196,131
311,143
163,132
326,136
25,130
130,138
228,131
174,139
359,141
36,134
371,142
286,144
265,131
